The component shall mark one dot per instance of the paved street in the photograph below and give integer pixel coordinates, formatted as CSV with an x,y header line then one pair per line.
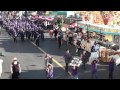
x,y
32,59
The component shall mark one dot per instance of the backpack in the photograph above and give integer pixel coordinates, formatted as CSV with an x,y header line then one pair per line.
x,y
15,67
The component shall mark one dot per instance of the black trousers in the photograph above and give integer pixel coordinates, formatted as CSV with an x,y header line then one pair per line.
x,y
79,51
42,36
83,66
55,35
10,34
66,67
15,39
16,75
22,39
94,75
26,35
70,40
35,37
37,42
110,74
59,44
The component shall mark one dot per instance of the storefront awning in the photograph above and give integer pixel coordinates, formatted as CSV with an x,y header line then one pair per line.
x,y
61,12
86,25
58,13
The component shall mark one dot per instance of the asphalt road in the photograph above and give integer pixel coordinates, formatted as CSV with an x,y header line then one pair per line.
x,y
51,47
32,59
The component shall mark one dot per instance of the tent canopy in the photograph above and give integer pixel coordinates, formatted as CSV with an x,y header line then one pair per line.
x,y
59,13
99,26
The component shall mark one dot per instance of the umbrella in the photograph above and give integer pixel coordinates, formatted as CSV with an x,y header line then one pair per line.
x,y
63,29
42,17
50,19
65,25
35,17
74,25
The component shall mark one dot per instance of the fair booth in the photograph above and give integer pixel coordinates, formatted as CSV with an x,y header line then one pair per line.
x,y
110,33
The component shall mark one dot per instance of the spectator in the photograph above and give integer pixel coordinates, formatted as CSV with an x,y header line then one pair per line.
x,y
74,72
15,37
15,69
67,58
49,71
37,39
94,69
111,68
84,58
51,34
46,58
60,36
42,34
70,38
55,33
79,49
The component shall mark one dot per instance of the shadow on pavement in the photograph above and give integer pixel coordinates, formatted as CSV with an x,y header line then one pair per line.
x,y
59,73
51,47
19,47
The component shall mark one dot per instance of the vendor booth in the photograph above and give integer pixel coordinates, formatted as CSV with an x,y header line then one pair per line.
x,y
110,33
104,35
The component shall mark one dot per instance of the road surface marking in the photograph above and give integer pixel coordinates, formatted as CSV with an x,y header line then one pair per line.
x,y
54,60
